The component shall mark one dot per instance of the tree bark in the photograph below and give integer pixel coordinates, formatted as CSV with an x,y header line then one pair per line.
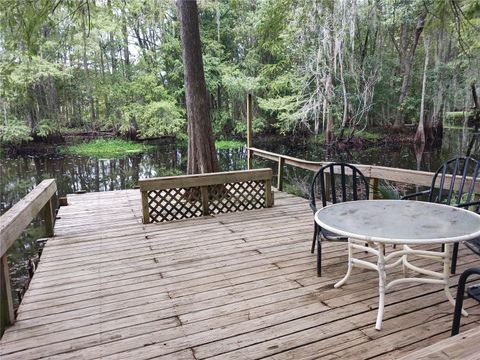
x,y
476,109
407,70
329,91
420,134
112,40
202,157
85,68
126,51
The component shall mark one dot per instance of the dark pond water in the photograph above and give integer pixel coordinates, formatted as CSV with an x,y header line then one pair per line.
x,y
20,174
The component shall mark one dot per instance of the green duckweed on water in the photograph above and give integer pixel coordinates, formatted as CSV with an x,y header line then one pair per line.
x,y
228,144
101,148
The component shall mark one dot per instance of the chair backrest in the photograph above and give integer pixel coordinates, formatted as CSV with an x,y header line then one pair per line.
x,y
338,182
463,173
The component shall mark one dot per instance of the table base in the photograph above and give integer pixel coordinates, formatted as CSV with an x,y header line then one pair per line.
x,y
382,265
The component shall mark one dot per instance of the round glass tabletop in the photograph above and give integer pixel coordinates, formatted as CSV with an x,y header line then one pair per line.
x,y
399,221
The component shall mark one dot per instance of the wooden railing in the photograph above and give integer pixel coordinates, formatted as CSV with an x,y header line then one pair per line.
x,y
12,224
188,196
373,172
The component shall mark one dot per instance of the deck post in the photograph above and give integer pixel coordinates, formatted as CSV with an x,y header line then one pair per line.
x,y
49,218
7,316
328,182
145,211
204,195
281,163
373,183
268,193
249,131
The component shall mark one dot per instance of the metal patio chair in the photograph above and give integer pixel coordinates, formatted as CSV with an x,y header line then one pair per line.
x,y
334,182
473,291
454,184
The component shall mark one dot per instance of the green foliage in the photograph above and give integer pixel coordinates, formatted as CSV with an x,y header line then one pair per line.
x,y
46,127
14,131
259,124
145,103
101,148
367,135
458,117
387,190
221,119
284,109
237,83
65,64
164,171
20,71
154,119
294,190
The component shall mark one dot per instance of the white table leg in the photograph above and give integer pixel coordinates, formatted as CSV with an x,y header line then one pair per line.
x,y
381,285
350,265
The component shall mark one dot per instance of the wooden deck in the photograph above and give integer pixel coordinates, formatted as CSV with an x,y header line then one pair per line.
x,y
234,286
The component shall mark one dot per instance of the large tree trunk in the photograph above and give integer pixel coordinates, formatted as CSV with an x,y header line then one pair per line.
x,y
126,52
420,134
112,40
407,70
86,70
329,91
202,157
476,109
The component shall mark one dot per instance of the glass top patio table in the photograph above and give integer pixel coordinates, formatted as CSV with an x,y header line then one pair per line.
x,y
400,221
405,222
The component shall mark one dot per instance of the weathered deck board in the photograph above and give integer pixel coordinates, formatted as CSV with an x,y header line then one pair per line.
x,y
233,286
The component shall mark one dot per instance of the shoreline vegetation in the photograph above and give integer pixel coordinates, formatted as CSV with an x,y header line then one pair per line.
x,y
106,145
117,148
106,148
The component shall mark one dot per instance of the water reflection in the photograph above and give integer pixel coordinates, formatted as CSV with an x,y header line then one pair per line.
x,y
21,174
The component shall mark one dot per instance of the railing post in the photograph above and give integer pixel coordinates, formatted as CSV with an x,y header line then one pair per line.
x,y
49,218
249,130
145,211
373,183
7,316
204,195
327,179
268,193
281,163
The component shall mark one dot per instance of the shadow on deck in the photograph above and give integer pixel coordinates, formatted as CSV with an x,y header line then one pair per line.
x,y
234,286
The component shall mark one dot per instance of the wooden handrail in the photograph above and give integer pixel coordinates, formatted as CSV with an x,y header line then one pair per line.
x,y
12,224
187,196
168,182
374,172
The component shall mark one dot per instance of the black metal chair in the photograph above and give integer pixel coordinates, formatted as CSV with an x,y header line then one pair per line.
x,y
454,184
472,291
334,182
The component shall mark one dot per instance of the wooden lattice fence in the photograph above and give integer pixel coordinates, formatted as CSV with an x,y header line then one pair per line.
x,y
189,196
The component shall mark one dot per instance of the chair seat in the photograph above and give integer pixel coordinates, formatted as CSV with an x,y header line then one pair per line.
x,y
331,236
474,245
474,292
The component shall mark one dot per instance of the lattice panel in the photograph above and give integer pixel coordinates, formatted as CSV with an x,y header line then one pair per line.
x,y
174,204
238,196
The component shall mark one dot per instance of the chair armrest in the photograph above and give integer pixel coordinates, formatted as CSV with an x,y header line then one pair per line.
x,y
408,196
466,205
474,245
